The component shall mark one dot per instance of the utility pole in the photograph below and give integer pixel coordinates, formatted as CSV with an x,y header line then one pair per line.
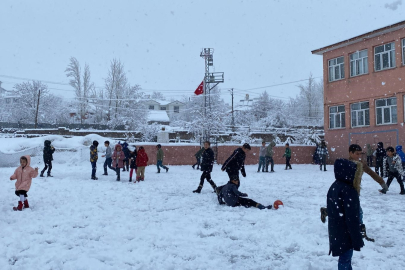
x,y
233,117
36,114
210,77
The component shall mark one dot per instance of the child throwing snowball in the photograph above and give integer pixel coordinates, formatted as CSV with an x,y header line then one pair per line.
x,y
23,174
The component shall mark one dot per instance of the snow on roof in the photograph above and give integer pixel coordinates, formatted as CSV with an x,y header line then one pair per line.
x,y
158,116
161,101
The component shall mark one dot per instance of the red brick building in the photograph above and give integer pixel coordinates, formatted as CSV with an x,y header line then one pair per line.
x,y
364,88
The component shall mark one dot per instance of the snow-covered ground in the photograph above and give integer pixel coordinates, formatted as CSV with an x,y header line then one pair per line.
x,y
78,223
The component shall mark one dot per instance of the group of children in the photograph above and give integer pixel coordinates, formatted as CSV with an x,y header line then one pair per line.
x,y
266,157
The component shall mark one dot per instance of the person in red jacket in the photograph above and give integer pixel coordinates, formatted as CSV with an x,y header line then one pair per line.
x,y
23,174
141,162
118,158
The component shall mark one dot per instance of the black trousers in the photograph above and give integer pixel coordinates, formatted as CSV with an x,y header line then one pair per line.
x,y
391,176
246,202
206,175
370,161
379,166
48,165
287,162
322,159
21,192
93,169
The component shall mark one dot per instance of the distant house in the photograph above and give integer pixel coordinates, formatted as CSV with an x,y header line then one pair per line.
x,y
171,107
8,98
159,117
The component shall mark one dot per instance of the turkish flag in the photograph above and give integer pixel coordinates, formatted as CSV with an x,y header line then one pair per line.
x,y
200,89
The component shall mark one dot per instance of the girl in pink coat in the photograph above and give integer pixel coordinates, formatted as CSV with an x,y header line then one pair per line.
x,y
118,160
23,175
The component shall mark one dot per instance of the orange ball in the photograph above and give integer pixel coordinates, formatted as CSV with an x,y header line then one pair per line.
x,y
277,204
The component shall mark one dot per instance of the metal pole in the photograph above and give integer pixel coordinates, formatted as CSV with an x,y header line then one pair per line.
x,y
233,118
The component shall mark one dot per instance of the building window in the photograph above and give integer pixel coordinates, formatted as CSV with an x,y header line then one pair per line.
x,y
384,56
8,100
151,107
358,63
176,109
336,69
337,117
403,51
360,114
386,111
163,108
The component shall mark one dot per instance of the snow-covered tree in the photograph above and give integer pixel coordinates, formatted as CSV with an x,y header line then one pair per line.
x,y
158,95
82,85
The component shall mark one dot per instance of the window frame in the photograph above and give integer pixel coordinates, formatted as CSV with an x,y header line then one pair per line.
x,y
342,115
403,50
163,108
151,107
363,60
381,56
383,111
341,67
174,109
358,112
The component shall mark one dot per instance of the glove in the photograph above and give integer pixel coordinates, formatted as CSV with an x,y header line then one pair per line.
x,y
243,173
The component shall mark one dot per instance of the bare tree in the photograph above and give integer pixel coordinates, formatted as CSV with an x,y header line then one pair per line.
x,y
83,87
158,95
115,85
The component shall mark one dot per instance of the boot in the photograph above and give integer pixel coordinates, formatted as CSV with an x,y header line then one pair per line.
x,y
272,168
167,169
118,179
260,206
42,174
49,175
193,166
324,214
130,179
198,190
158,170
94,178
290,167
105,172
26,205
19,207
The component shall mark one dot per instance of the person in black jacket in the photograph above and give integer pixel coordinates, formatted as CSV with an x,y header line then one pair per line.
x,y
132,157
207,163
379,153
344,226
233,197
48,157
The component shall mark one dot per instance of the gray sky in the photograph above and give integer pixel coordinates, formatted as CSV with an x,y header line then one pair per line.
x,y
257,43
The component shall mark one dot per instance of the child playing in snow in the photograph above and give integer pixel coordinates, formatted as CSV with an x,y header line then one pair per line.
x,y
141,162
93,159
392,168
132,158
48,157
233,197
108,159
24,175
118,158
287,155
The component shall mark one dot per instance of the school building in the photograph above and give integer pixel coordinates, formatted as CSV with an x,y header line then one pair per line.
x,y
364,90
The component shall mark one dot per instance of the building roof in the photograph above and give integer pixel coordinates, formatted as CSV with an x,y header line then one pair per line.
x,y
158,116
161,102
362,37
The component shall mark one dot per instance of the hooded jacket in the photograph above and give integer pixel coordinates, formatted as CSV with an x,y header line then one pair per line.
x,y
142,158
93,152
269,149
400,153
380,151
343,208
48,151
125,149
207,160
24,176
118,157
397,165
235,162
132,157
230,194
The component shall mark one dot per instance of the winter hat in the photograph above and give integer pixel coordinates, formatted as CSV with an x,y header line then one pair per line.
x,y
95,143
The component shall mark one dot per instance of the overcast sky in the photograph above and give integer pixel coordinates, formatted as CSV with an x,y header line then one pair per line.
x,y
257,43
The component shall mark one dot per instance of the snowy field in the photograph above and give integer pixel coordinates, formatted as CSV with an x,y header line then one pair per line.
x,y
77,223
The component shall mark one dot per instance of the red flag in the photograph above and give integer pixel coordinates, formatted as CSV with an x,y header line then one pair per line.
x,y
200,89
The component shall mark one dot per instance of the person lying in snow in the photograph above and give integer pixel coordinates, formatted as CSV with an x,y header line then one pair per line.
x,y
23,174
233,197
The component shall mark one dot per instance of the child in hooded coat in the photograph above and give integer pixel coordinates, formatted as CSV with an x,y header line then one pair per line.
x,y
118,158
48,157
132,158
141,162
23,174
401,154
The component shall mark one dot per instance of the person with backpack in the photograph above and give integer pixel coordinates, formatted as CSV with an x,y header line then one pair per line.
x,y
48,157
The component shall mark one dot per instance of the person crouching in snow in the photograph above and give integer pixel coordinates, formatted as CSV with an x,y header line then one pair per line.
x,y
233,197
141,162
132,158
392,168
118,158
23,174
343,202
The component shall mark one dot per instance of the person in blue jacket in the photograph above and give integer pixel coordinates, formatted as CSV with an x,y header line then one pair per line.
x,y
344,225
401,154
